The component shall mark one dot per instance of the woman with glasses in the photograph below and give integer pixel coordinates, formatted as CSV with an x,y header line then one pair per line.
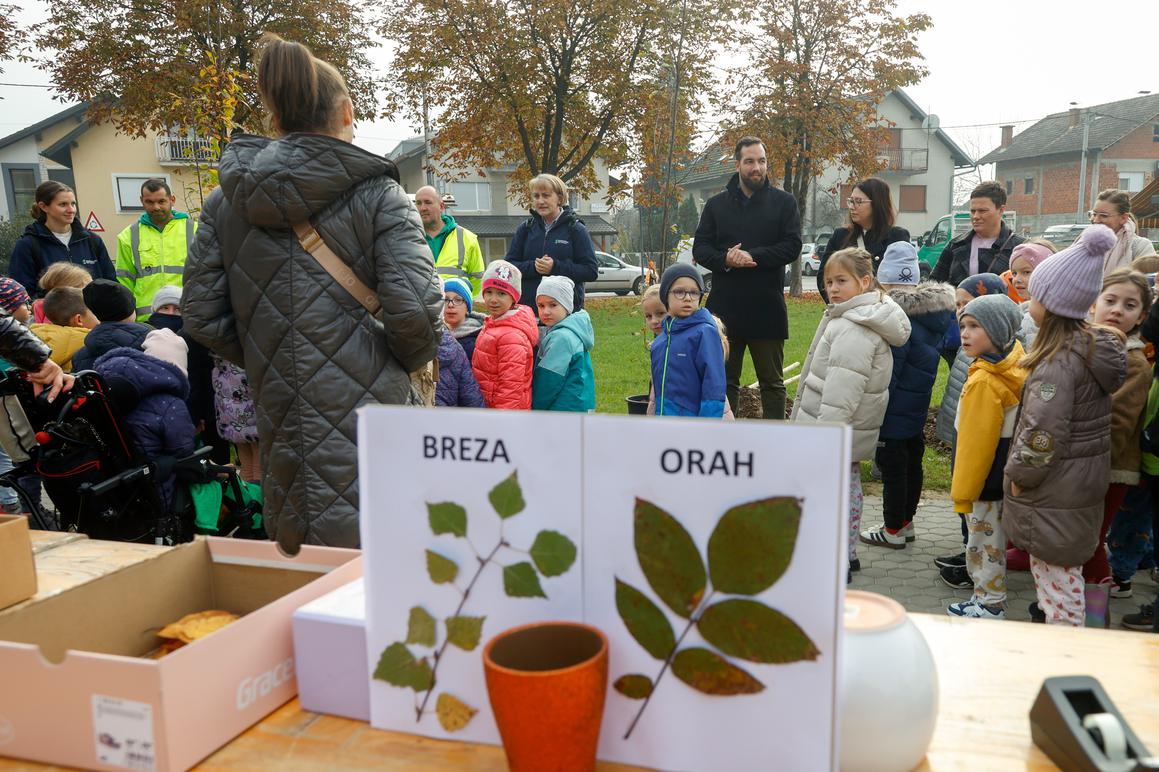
x,y
1113,209
870,226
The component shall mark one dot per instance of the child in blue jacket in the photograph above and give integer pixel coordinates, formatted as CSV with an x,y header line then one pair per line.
x,y
687,356
564,378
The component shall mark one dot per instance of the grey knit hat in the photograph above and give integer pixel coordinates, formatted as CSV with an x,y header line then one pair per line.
x,y
999,316
899,265
561,289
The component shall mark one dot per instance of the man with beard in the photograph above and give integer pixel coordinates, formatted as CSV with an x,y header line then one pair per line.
x,y
747,235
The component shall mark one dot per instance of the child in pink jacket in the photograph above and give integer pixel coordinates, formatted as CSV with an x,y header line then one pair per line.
x,y
504,360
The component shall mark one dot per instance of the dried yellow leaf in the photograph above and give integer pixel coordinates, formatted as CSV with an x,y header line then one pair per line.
x,y
453,713
194,626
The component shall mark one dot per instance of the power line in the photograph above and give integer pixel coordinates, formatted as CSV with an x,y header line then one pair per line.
x,y
28,85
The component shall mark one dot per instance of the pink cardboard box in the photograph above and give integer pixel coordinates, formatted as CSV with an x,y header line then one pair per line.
x,y
330,653
78,691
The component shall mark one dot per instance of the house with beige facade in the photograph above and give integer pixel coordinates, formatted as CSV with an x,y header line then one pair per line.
x,y
483,206
104,167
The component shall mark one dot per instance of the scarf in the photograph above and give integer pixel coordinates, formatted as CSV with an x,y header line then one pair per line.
x,y
1120,255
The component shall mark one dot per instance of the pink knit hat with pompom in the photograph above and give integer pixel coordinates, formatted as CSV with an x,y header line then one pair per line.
x,y
1068,283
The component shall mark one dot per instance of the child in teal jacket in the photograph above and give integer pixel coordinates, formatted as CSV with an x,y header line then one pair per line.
x,y
564,379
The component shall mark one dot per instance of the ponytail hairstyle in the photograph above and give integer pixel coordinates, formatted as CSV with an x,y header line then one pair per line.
x,y
856,262
301,91
46,193
1120,199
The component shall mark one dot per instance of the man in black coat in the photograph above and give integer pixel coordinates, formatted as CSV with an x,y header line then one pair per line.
x,y
746,236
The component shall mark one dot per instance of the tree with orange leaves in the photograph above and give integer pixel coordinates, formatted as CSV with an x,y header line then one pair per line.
x,y
817,71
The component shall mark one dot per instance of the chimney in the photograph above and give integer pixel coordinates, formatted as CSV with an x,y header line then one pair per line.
x,y
1075,114
1007,136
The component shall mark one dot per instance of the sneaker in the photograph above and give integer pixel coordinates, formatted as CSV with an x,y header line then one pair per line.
x,y
1037,615
1144,620
878,536
908,531
855,564
951,561
957,577
973,609
1121,588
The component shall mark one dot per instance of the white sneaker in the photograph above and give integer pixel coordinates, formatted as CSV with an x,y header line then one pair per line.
x,y
908,531
879,537
973,609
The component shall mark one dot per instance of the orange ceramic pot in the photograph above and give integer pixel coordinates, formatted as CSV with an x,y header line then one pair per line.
x,y
547,683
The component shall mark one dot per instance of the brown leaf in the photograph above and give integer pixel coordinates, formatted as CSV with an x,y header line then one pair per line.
x,y
708,672
633,686
453,713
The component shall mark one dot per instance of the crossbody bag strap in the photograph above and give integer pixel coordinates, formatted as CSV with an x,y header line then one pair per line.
x,y
312,242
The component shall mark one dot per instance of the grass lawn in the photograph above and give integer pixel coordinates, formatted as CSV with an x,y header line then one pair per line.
x,y
620,359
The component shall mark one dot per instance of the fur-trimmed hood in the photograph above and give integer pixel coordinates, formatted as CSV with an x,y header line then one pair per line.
x,y
926,298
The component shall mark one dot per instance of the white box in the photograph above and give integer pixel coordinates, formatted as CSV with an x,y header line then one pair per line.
x,y
330,653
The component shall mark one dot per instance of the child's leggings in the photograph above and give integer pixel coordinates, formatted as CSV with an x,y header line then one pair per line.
x,y
1061,592
855,501
1129,539
986,552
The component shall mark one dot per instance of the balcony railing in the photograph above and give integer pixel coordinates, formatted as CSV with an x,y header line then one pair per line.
x,y
904,159
184,151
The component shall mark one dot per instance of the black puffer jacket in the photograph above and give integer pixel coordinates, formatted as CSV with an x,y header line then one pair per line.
x,y
312,353
954,262
19,346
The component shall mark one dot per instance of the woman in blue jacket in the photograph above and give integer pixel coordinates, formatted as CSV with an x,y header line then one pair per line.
x,y
55,236
552,242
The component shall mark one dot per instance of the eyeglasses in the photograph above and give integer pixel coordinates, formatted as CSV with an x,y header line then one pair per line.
x,y
686,294
856,202
454,301
1093,215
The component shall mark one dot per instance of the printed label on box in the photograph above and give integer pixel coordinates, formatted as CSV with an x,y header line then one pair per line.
x,y
123,732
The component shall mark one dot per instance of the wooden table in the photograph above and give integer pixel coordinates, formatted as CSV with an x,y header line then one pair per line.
x,y
990,673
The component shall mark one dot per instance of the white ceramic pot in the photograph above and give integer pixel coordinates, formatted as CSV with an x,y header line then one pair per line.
x,y
889,687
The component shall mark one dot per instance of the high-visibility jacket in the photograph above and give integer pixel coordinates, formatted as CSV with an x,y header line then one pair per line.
x,y
149,259
461,257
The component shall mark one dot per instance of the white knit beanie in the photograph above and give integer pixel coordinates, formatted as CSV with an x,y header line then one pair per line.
x,y
168,346
561,289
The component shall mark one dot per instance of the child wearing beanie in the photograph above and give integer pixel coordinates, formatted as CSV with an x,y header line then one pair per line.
x,y
115,309
847,371
14,300
687,357
988,405
459,314
504,358
564,378
901,442
456,386
1060,460
1024,258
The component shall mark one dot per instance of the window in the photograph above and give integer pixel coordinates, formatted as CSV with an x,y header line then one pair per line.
x,y
1009,187
21,183
912,198
894,139
1132,182
1028,186
471,196
127,190
573,200
606,262
1155,133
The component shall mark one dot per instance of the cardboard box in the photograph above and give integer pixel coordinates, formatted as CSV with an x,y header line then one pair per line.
x,y
78,693
17,569
330,653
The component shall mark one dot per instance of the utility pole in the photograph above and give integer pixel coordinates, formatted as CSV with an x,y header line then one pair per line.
x,y
427,140
1083,168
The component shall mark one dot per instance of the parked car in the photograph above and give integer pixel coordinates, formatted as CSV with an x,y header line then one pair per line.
x,y
684,255
810,260
620,277
1062,236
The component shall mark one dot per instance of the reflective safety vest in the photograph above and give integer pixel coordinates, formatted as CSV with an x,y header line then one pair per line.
x,y
148,259
461,257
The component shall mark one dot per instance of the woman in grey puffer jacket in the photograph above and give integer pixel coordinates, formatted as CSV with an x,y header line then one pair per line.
x,y
313,354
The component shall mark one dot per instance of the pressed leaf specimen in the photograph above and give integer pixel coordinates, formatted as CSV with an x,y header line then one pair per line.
x,y
552,554
749,550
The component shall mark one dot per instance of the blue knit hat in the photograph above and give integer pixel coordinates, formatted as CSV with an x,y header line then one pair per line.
x,y
983,284
460,288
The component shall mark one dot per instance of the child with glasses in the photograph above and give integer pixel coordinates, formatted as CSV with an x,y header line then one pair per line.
x,y
849,365
459,314
456,386
687,356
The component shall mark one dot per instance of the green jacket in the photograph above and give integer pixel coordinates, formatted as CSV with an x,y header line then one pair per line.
x,y
458,254
1151,461
149,259
564,379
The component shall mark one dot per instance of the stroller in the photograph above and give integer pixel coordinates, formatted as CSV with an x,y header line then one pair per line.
x,y
98,480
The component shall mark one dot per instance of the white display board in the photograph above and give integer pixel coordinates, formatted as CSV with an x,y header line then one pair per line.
x,y
711,553
434,540
780,557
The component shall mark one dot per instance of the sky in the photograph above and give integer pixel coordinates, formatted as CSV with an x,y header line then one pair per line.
x,y
989,63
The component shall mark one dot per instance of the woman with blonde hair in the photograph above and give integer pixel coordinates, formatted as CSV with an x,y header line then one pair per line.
x,y
253,295
552,242
1113,209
